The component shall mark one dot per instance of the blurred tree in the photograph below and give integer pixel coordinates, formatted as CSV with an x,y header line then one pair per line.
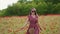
x,y
2,12
56,9
22,1
42,8
38,1
23,7
53,1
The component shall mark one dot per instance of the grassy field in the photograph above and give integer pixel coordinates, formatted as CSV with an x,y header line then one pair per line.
x,y
49,24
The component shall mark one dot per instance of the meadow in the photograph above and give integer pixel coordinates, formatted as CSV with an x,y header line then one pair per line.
x,y
50,24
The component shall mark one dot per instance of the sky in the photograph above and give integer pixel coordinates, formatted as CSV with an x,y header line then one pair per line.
x,y
4,3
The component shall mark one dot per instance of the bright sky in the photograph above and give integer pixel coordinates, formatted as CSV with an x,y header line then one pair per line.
x,y
4,3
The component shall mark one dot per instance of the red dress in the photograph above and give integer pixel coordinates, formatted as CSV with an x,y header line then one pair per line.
x,y
33,24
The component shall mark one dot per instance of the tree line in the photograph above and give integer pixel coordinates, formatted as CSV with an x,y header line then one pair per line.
x,y
23,7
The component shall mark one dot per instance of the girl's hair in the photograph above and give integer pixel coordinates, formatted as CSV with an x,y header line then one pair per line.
x,y
33,10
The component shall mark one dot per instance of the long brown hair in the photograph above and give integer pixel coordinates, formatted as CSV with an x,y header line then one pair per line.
x,y
33,10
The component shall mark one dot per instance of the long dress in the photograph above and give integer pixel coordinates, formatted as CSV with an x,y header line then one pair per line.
x,y
33,25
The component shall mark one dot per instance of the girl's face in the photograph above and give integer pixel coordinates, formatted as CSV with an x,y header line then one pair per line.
x,y
33,13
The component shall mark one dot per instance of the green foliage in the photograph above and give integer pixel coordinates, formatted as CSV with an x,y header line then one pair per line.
x,y
41,8
53,1
57,8
23,7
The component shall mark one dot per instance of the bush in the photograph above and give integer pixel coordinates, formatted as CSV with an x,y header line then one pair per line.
x,y
22,9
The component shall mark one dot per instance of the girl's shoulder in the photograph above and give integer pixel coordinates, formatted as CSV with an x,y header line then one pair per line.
x,y
37,16
28,15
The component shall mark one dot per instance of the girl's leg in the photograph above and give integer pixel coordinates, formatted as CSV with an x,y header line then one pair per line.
x,y
31,30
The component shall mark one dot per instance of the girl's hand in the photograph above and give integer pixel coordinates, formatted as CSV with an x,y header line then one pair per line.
x,y
22,28
40,29
19,29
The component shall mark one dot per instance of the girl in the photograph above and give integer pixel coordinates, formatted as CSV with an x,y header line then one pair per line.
x,y
32,20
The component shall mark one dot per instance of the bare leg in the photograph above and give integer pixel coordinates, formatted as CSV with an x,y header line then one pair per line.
x,y
31,30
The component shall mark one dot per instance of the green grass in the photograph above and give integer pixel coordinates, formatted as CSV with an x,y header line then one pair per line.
x,y
49,24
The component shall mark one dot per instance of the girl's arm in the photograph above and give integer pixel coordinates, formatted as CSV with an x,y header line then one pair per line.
x,y
39,26
27,22
38,23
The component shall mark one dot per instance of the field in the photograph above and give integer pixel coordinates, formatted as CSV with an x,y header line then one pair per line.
x,y
50,24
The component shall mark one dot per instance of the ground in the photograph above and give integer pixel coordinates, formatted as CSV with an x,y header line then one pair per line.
x,y
50,24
